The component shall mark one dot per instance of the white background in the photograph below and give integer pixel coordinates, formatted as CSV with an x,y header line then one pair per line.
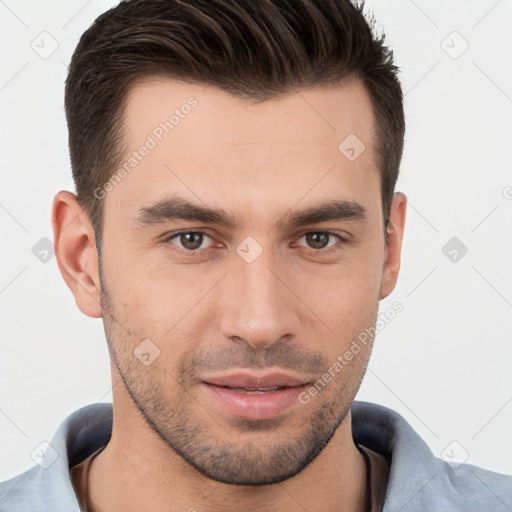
x,y
444,362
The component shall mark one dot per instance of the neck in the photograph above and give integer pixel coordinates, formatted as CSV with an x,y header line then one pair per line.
x,y
138,471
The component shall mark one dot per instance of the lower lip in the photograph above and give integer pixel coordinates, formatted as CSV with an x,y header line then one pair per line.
x,y
255,406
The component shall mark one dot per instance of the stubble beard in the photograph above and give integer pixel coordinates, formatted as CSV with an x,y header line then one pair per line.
x,y
244,463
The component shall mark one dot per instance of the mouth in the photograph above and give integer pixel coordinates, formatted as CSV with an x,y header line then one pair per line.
x,y
250,381
254,397
254,391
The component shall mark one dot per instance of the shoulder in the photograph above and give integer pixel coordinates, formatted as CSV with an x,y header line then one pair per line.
x,y
419,480
47,486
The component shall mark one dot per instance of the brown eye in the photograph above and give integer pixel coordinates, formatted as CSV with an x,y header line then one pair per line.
x,y
319,240
189,240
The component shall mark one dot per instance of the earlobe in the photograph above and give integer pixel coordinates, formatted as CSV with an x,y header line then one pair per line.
x,y
395,230
75,250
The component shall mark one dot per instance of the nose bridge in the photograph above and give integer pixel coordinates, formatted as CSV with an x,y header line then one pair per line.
x,y
257,306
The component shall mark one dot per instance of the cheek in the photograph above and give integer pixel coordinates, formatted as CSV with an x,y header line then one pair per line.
x,y
161,307
344,298
142,295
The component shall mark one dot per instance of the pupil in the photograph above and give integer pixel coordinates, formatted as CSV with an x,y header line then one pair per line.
x,y
191,240
317,240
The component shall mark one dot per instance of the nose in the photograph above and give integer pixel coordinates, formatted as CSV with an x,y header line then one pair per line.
x,y
256,303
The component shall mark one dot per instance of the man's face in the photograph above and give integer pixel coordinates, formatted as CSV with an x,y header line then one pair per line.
x,y
243,317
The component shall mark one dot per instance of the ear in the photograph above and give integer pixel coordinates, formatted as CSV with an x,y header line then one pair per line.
x,y
75,250
395,230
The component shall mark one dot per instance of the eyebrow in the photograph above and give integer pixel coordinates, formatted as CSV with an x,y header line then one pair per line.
x,y
177,208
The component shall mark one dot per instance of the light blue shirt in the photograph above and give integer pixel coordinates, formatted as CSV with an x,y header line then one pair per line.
x,y
418,481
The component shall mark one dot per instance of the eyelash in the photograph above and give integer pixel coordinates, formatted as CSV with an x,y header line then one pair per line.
x,y
310,251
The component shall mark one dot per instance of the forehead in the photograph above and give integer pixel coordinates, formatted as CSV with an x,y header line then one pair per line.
x,y
204,143
303,117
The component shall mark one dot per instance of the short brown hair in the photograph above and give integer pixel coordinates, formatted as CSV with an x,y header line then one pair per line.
x,y
255,49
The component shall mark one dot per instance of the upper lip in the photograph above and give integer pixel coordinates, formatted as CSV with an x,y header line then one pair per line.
x,y
252,381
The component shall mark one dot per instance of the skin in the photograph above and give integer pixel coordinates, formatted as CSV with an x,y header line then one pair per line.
x,y
288,310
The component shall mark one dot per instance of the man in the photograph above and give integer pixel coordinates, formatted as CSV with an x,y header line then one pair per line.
x,y
235,226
